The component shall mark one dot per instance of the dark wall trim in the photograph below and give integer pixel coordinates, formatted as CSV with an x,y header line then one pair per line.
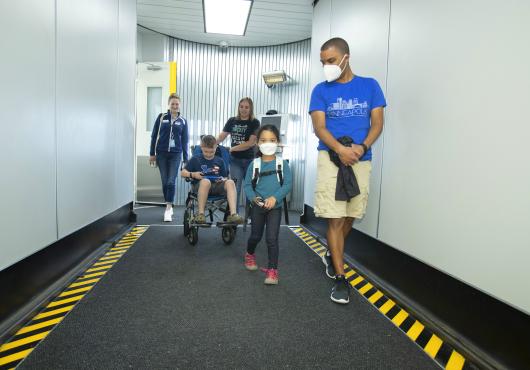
x,y
489,332
29,283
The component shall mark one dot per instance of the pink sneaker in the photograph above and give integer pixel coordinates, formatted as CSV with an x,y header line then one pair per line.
x,y
271,276
250,262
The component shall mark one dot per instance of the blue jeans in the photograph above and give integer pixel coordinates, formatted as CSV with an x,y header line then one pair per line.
x,y
168,164
238,170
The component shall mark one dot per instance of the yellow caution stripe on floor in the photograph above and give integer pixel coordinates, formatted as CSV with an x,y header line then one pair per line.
x,y
439,350
51,314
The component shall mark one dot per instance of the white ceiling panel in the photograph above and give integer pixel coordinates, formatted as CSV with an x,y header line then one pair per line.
x,y
270,22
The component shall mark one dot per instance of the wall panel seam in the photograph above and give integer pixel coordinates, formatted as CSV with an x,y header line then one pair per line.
x,y
384,124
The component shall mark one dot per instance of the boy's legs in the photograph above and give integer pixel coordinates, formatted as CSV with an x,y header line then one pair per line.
x,y
224,188
229,189
231,195
202,194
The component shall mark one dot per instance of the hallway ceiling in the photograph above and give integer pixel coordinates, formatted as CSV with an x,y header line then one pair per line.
x,y
270,23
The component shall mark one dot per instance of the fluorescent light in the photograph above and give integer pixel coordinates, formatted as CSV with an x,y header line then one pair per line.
x,y
275,77
228,17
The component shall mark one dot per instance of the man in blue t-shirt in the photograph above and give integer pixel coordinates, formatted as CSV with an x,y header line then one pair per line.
x,y
345,105
208,174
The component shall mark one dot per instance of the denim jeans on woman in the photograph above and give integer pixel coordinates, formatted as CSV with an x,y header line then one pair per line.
x,y
238,170
168,164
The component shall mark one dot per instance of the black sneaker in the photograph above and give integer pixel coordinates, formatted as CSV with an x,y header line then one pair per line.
x,y
330,270
340,293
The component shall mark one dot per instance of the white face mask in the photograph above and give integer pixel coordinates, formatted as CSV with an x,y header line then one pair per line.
x,y
268,148
333,71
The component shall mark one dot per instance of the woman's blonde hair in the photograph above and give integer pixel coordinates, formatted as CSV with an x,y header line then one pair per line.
x,y
250,103
173,96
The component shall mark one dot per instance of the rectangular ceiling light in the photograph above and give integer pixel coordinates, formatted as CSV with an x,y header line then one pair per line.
x,y
227,17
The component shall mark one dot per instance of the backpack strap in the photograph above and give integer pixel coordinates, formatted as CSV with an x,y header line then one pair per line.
x,y
279,169
256,165
162,115
158,134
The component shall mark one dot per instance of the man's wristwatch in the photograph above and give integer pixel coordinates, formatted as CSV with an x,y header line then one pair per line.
x,y
365,148
191,175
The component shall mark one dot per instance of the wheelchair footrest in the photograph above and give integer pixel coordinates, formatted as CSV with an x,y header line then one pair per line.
x,y
206,224
226,224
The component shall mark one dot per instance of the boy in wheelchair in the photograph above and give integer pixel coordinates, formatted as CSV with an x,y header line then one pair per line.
x,y
208,174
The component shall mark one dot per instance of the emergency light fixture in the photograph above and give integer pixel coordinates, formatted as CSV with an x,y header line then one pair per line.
x,y
274,77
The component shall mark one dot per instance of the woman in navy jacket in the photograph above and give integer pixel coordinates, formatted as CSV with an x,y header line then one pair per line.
x,y
169,143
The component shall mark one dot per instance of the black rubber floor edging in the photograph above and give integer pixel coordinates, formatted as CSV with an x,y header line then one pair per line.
x,y
26,283
442,352
490,333
37,328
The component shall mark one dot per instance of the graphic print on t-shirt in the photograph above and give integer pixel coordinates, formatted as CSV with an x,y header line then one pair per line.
x,y
209,171
347,108
238,133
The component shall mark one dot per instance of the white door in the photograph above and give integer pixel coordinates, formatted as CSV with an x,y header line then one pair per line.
x,y
152,91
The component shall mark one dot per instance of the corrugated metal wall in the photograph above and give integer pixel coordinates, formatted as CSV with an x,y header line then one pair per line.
x,y
211,82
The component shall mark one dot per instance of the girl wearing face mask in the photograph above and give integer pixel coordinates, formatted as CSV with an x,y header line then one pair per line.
x,y
242,130
266,186
169,142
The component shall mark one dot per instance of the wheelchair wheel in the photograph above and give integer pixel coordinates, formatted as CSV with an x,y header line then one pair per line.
x,y
186,219
228,234
193,235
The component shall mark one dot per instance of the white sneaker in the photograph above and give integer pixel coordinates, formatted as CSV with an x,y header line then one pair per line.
x,y
167,216
171,211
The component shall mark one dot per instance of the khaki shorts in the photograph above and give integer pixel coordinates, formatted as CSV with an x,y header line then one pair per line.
x,y
325,204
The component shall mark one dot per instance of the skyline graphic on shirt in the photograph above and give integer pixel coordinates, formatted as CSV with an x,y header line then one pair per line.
x,y
347,108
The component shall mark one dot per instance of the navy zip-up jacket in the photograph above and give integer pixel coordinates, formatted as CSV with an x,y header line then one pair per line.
x,y
177,130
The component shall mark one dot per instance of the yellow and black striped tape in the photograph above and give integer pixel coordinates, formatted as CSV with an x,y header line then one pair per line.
x,y
443,353
37,328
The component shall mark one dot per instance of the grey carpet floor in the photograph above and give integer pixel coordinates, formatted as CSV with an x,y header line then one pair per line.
x,y
168,305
